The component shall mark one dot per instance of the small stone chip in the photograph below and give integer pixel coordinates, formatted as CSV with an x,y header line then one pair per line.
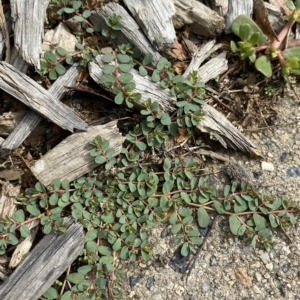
x,y
267,166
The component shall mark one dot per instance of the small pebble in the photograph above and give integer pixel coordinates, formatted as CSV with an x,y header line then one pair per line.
x,y
269,266
286,267
213,261
265,258
258,277
267,166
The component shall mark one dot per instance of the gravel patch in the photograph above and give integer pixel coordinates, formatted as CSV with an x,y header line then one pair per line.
x,y
227,268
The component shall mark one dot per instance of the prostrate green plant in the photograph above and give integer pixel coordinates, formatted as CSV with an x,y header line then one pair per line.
x,y
120,203
253,41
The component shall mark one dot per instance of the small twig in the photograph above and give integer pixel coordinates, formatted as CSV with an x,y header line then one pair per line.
x,y
268,127
65,281
192,265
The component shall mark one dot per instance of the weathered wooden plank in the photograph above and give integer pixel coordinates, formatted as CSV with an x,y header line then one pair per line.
x,y
46,262
23,248
201,19
202,54
275,17
213,68
221,127
220,6
71,158
155,19
130,33
144,85
29,17
236,8
37,98
32,119
8,196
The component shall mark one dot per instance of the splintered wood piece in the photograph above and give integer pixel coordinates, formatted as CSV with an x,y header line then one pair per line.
x,y
45,263
71,158
202,54
220,6
213,68
130,32
275,17
24,247
224,131
201,19
37,98
144,85
236,8
155,19
33,119
7,199
29,17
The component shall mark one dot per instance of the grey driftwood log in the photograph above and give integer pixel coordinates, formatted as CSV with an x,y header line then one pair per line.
x,y
155,19
201,19
32,119
46,262
130,33
28,18
71,158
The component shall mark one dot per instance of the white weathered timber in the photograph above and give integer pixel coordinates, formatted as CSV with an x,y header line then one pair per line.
x,y
45,263
213,68
59,37
155,19
220,6
275,17
130,33
17,61
201,19
71,158
144,85
37,98
236,8
32,119
229,136
8,196
202,54
24,247
28,18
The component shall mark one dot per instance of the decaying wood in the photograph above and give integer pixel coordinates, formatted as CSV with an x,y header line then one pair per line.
x,y
213,121
17,61
202,54
4,29
59,37
220,6
229,136
275,17
144,85
71,158
32,119
236,8
37,98
130,33
200,19
155,19
213,68
7,199
24,247
9,121
46,262
29,17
